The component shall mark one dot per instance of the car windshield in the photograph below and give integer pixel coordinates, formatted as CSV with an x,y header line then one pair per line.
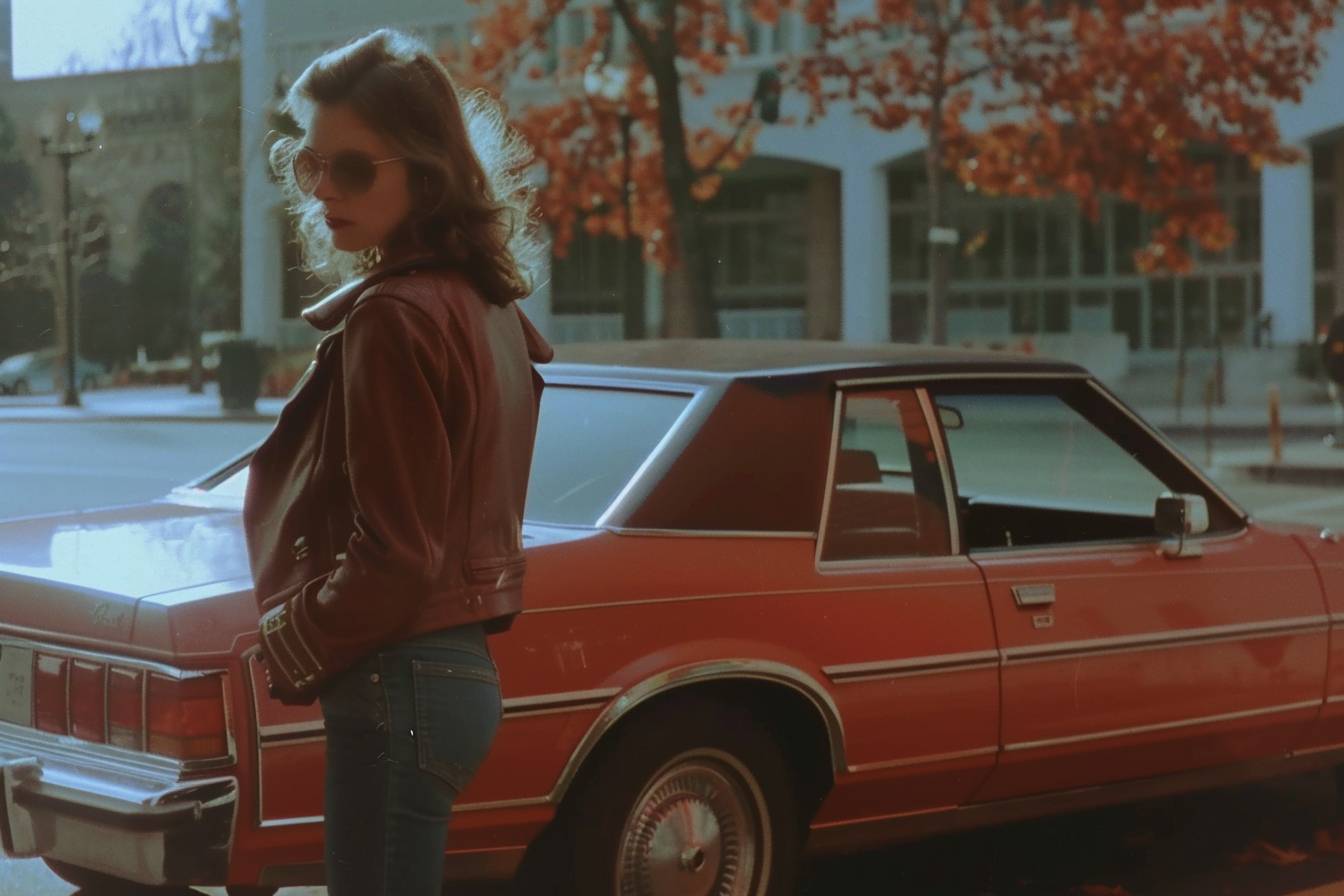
x,y
590,443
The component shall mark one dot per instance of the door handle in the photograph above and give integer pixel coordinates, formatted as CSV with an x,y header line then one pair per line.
x,y
1033,595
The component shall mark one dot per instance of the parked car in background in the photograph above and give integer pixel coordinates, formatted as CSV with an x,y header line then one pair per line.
x,y
44,371
782,598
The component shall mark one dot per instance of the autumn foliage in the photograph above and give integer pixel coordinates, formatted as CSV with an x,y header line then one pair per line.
x,y
1127,98
649,58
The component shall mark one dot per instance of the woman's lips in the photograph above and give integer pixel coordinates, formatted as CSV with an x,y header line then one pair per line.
x,y
337,223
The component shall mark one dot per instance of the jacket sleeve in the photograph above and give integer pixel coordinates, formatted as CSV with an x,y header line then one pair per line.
x,y
397,370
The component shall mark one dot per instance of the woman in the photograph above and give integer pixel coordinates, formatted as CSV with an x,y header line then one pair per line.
x,y
384,512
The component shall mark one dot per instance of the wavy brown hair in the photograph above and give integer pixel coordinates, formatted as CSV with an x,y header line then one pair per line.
x,y
470,201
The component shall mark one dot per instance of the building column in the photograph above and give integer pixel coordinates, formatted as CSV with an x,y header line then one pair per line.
x,y
823,256
1286,259
263,291
865,272
653,301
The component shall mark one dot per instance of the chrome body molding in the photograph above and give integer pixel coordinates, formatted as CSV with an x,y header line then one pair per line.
x,y
920,665
939,438
1161,726
836,418
564,701
701,673
624,502
932,759
779,592
1174,638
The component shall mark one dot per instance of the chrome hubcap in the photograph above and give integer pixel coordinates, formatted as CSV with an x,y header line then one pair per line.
x,y
699,828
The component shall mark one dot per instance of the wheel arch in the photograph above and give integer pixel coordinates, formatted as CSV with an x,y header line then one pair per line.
x,y
790,695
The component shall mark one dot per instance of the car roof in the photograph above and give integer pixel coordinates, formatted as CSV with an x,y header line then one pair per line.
x,y
716,360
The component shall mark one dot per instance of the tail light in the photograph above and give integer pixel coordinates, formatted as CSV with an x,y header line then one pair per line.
x,y
126,708
185,717
50,687
88,701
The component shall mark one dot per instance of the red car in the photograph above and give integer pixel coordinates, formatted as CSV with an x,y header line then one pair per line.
x,y
783,598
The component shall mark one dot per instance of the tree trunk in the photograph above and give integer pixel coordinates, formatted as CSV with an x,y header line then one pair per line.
x,y
700,318
940,249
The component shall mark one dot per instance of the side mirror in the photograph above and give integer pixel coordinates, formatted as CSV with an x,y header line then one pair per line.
x,y
950,418
1177,516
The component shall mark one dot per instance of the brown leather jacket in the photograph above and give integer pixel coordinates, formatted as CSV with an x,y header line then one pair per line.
x,y
388,500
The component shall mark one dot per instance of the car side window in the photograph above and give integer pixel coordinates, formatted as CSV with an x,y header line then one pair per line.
x,y
1031,470
886,491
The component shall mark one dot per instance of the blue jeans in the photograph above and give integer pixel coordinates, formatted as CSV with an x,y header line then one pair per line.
x,y
407,727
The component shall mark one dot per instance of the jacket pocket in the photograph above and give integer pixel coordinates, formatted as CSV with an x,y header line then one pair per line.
x,y
457,712
497,572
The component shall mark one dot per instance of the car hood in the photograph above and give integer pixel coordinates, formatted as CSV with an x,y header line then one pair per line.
x,y
163,579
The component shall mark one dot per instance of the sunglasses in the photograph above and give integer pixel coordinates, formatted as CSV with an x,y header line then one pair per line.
x,y
351,171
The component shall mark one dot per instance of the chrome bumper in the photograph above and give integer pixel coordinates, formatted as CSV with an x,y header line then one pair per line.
x,y
130,822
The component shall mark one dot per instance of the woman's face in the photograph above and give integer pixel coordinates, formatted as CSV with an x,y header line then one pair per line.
x,y
365,219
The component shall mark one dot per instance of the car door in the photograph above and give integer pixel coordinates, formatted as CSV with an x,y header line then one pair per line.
x,y
1120,659
907,640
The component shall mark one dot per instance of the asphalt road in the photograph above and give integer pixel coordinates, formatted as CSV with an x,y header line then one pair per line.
x,y
1260,840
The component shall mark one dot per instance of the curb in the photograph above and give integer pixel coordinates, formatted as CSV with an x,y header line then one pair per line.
x,y
1291,474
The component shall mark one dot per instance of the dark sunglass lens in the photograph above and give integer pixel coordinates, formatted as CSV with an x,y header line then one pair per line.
x,y
352,172
307,170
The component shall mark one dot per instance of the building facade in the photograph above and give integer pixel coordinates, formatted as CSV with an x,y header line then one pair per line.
x,y
821,234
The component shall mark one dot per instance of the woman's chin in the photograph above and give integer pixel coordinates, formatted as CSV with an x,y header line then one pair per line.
x,y
346,241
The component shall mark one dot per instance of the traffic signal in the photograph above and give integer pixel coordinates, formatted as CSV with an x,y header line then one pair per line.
x,y
768,89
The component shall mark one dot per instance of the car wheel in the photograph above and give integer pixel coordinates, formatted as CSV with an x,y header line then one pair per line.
x,y
694,797
103,884
21,387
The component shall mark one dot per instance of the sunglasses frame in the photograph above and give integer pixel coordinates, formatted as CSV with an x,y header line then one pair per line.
x,y
325,167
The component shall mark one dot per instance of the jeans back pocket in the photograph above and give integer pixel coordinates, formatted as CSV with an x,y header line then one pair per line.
x,y
457,712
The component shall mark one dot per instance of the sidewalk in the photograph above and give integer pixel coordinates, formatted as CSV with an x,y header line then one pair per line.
x,y
145,403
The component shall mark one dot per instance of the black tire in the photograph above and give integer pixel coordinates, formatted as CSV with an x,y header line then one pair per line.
x,y
688,758
21,387
99,884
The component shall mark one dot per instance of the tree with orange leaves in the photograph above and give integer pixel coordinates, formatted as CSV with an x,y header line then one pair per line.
x,y
606,118
1043,97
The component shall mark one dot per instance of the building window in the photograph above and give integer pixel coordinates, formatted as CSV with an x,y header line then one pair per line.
x,y
587,280
756,236
1061,271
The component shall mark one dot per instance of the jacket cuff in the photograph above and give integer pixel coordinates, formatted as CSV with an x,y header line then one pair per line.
x,y
296,662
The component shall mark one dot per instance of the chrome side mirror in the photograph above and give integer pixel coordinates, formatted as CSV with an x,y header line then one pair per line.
x,y
1177,516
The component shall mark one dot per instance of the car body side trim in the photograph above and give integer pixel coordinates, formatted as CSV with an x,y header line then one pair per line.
x,y
931,759
948,662
702,673
1161,726
1173,638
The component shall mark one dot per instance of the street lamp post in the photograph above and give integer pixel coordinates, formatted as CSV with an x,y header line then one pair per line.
x,y
608,83
56,141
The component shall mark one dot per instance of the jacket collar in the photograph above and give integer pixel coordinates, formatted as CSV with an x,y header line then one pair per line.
x,y
331,309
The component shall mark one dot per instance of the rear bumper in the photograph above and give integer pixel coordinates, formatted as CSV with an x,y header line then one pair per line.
x,y
125,823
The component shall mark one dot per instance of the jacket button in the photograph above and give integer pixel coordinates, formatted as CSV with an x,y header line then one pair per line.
x,y
300,547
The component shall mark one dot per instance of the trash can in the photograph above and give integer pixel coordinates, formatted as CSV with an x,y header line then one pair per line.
x,y
239,374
